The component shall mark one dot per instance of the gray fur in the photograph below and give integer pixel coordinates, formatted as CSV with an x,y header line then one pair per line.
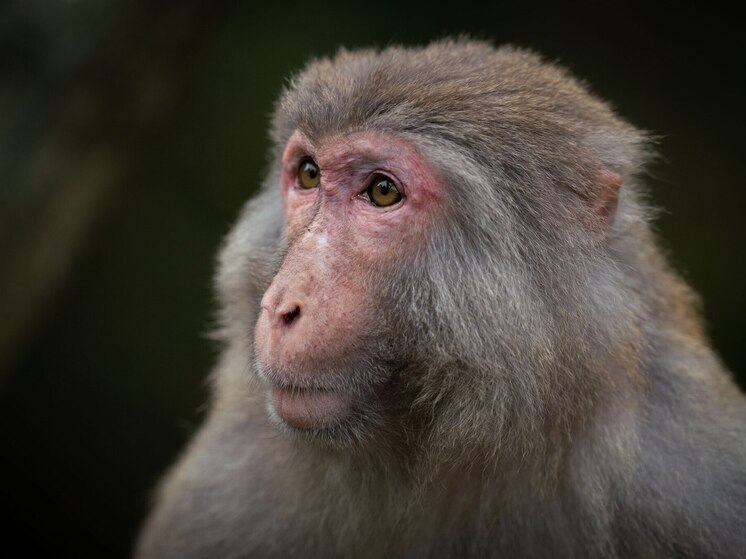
x,y
555,395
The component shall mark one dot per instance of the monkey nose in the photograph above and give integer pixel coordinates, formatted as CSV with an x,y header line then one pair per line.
x,y
291,316
282,315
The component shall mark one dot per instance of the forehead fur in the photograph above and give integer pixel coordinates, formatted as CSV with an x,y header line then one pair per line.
x,y
461,91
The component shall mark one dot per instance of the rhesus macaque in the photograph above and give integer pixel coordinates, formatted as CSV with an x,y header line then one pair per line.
x,y
448,332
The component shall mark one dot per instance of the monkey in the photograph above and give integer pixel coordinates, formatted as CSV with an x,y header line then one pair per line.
x,y
448,330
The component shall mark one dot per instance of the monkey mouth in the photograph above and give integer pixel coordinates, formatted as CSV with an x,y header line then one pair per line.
x,y
310,408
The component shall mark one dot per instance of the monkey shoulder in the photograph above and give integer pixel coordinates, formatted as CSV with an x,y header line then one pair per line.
x,y
686,492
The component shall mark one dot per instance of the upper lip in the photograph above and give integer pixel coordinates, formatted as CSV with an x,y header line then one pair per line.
x,y
300,389
310,384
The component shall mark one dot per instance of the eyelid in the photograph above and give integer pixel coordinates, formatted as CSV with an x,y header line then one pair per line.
x,y
370,178
298,160
293,160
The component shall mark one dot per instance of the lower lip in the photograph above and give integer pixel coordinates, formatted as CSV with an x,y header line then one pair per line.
x,y
310,409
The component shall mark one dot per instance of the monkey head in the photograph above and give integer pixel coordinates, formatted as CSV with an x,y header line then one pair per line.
x,y
434,219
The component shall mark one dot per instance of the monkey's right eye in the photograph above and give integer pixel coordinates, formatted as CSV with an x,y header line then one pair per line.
x,y
309,175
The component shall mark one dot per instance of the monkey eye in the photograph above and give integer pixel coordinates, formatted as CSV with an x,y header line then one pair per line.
x,y
383,192
309,175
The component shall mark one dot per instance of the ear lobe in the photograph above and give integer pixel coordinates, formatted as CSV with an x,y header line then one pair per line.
x,y
608,197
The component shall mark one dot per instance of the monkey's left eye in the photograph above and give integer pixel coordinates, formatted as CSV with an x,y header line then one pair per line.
x,y
309,175
383,192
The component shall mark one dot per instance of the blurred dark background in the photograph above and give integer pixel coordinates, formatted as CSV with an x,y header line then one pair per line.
x,y
130,134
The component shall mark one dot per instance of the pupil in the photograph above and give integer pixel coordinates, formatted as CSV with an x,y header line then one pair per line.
x,y
311,170
384,187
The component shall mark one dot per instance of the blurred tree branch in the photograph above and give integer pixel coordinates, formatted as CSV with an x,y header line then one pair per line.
x,y
80,83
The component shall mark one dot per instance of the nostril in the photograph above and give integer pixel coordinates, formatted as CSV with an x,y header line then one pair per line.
x,y
289,317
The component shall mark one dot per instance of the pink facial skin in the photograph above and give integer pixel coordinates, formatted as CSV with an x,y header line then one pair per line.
x,y
318,309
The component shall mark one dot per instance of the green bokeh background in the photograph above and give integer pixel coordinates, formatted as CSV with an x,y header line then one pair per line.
x,y
111,382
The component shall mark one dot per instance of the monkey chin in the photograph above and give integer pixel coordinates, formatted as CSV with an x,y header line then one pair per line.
x,y
310,408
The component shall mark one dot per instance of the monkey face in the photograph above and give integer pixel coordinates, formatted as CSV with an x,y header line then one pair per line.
x,y
354,206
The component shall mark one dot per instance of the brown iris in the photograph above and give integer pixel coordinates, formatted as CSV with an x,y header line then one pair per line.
x,y
309,175
383,192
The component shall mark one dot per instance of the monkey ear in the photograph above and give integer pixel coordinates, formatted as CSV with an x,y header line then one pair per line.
x,y
608,197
